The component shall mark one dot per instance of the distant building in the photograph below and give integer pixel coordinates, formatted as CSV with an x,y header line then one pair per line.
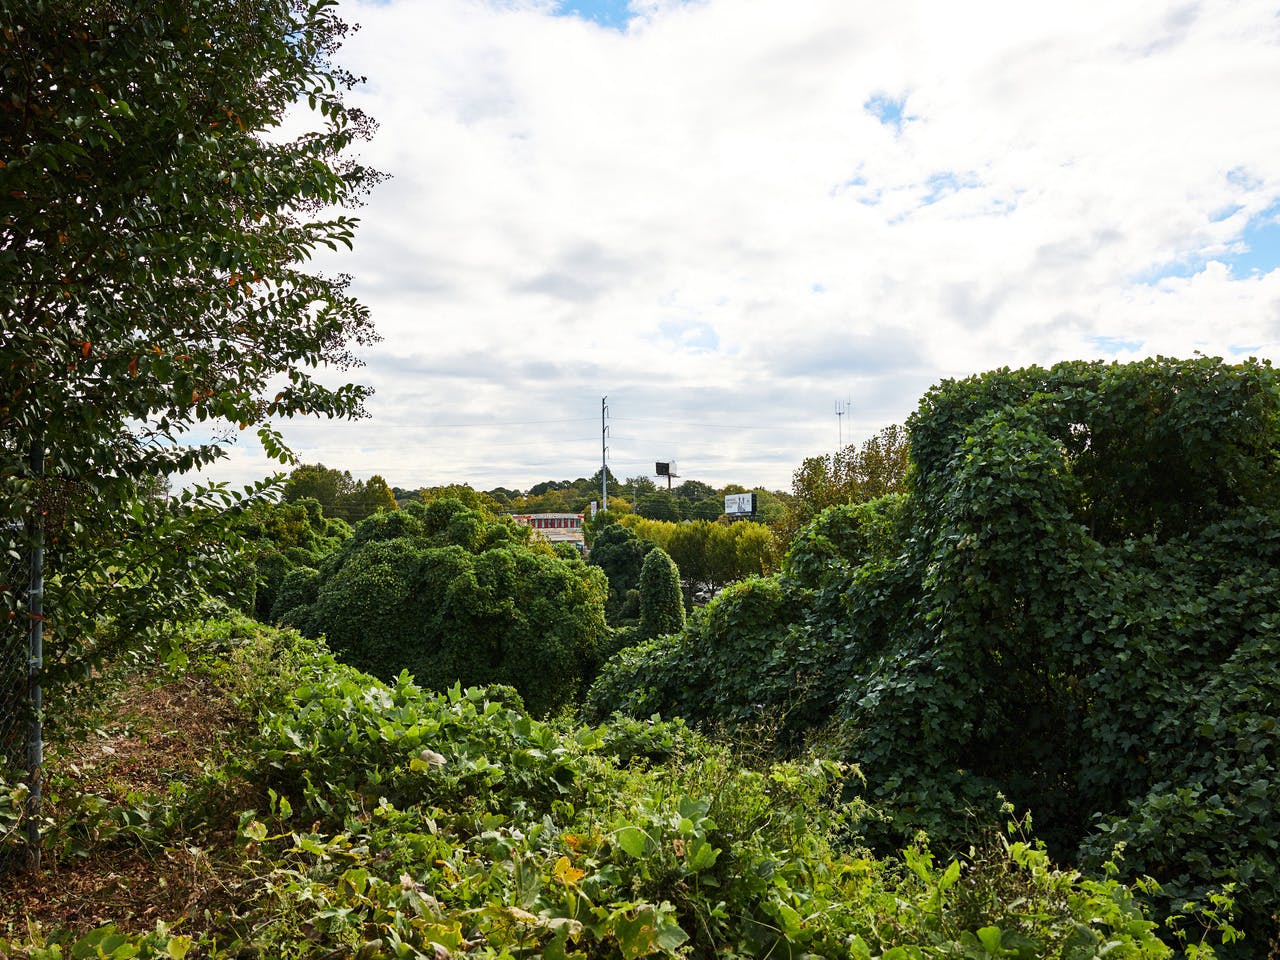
x,y
553,527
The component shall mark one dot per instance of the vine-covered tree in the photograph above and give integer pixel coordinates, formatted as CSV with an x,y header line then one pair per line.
x,y
661,604
620,553
452,594
1073,608
155,228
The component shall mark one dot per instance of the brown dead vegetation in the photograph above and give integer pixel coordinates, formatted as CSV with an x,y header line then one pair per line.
x,y
150,732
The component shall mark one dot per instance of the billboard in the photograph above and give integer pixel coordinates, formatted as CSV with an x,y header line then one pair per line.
x,y
739,504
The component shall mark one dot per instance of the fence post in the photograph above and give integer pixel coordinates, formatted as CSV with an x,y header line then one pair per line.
x,y
35,660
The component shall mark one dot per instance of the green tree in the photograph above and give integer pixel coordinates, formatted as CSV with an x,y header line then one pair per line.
x,y
593,485
636,487
852,475
464,494
366,498
661,605
709,509
568,500
692,491
315,481
722,553
658,505
756,549
620,553
154,231
688,548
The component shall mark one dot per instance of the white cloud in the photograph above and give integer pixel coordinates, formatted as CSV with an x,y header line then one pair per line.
x,y
700,217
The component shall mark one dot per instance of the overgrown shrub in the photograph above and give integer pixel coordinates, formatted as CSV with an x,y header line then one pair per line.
x,y
453,596
282,537
389,820
661,603
298,591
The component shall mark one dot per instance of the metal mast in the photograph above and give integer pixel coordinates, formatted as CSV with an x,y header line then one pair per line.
x,y
604,455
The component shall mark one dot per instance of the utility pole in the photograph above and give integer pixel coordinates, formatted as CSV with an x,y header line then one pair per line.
x,y
604,454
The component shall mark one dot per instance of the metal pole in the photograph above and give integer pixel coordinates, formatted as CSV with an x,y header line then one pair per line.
x,y
35,664
604,456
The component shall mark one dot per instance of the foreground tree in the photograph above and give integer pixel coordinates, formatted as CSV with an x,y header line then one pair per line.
x,y
154,233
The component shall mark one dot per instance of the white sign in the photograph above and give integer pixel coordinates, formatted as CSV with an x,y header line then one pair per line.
x,y
736,504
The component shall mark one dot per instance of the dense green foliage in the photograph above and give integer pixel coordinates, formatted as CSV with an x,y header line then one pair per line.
x,y
451,594
620,553
339,494
1074,608
766,651
383,821
855,474
154,231
280,537
710,555
661,605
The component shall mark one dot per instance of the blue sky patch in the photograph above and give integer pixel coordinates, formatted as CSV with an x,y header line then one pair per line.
x,y
889,111
1259,251
1170,270
1262,238
1226,213
944,184
1115,344
1243,179
692,335
612,14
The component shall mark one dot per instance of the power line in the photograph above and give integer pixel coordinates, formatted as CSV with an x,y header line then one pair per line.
x,y
427,425
689,423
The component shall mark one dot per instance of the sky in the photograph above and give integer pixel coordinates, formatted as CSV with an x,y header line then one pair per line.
x,y
763,228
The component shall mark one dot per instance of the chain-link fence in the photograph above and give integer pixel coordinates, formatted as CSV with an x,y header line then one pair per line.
x,y
15,692
21,629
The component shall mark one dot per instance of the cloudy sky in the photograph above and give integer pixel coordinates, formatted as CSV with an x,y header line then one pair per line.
x,y
734,217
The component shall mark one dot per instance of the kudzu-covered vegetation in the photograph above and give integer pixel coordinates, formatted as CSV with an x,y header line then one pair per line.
x,y
1064,628
452,594
374,820
1074,609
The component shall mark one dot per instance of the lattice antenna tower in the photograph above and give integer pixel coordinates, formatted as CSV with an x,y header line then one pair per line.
x,y
842,407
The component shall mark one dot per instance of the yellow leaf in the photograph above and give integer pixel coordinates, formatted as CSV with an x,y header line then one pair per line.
x,y
567,873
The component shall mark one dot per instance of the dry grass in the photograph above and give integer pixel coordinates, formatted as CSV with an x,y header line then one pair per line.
x,y
151,731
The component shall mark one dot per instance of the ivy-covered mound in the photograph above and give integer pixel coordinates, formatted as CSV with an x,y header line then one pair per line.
x,y
452,594
1076,606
